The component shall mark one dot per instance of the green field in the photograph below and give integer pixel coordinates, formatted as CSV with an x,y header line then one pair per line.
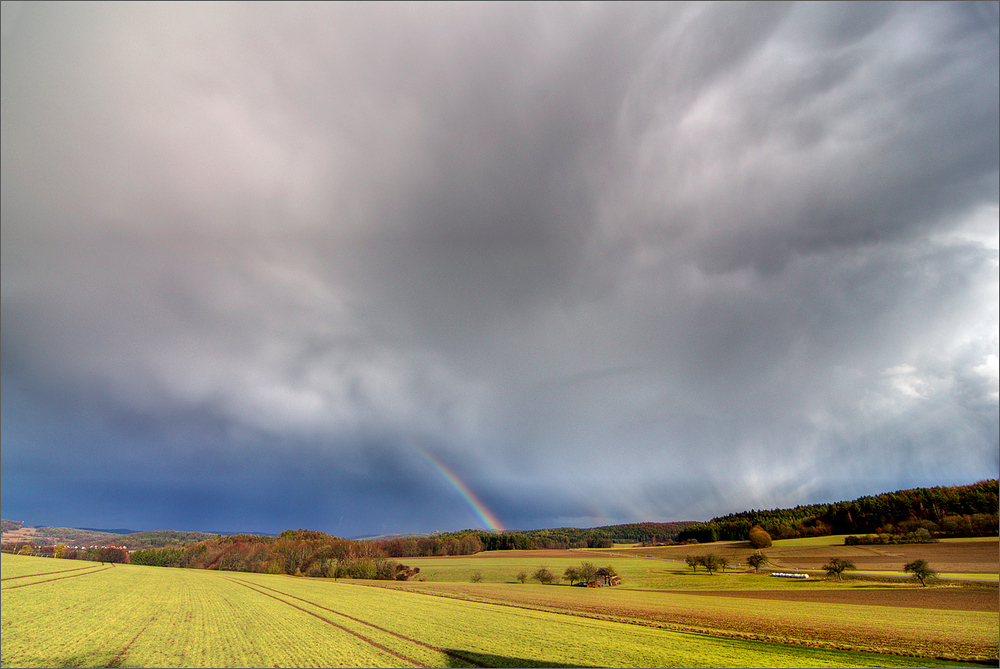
x,y
72,613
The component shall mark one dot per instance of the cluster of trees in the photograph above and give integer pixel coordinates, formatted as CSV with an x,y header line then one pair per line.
x,y
436,545
112,554
586,574
162,538
919,568
294,552
918,536
571,537
467,542
956,511
710,562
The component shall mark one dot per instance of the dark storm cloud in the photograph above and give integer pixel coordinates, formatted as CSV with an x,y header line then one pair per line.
x,y
607,262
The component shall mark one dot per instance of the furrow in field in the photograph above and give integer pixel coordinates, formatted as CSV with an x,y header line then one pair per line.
x,y
367,640
116,662
403,637
58,578
49,573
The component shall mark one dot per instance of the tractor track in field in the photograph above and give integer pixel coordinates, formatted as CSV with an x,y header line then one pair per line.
x,y
48,573
403,637
370,642
121,654
49,580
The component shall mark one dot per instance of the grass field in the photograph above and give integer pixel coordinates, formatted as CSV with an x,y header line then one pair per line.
x,y
70,613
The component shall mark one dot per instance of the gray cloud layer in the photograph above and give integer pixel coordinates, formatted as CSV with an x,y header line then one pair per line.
x,y
610,262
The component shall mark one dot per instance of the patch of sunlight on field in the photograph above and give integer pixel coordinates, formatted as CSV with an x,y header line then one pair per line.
x,y
961,576
827,540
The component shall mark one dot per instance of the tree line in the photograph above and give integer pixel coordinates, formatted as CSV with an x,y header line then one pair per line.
x,y
955,511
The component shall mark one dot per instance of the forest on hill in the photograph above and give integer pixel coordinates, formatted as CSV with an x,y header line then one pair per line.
x,y
955,511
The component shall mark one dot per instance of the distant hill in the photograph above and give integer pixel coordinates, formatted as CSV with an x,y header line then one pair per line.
x,y
77,536
10,525
955,511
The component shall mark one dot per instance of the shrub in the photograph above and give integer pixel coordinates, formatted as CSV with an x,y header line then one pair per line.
x,y
544,576
759,538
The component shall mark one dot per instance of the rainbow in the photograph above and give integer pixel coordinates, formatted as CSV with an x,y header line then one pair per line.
x,y
487,517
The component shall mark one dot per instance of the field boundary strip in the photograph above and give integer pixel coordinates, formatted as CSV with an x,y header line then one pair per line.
x,y
58,578
49,573
457,656
371,642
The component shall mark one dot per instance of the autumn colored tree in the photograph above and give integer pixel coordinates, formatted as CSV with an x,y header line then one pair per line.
x,y
759,538
112,554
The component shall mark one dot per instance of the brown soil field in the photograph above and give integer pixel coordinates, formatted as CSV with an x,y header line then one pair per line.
x,y
826,621
971,557
966,556
944,599
22,534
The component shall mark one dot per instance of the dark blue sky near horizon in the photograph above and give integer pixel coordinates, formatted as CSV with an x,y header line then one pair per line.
x,y
379,268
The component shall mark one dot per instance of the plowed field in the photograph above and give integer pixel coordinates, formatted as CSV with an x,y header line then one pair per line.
x,y
941,599
948,556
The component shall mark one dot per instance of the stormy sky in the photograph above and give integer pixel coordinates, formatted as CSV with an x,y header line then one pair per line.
x,y
367,268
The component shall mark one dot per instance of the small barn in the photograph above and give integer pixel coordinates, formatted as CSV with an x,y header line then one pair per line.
x,y
605,577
